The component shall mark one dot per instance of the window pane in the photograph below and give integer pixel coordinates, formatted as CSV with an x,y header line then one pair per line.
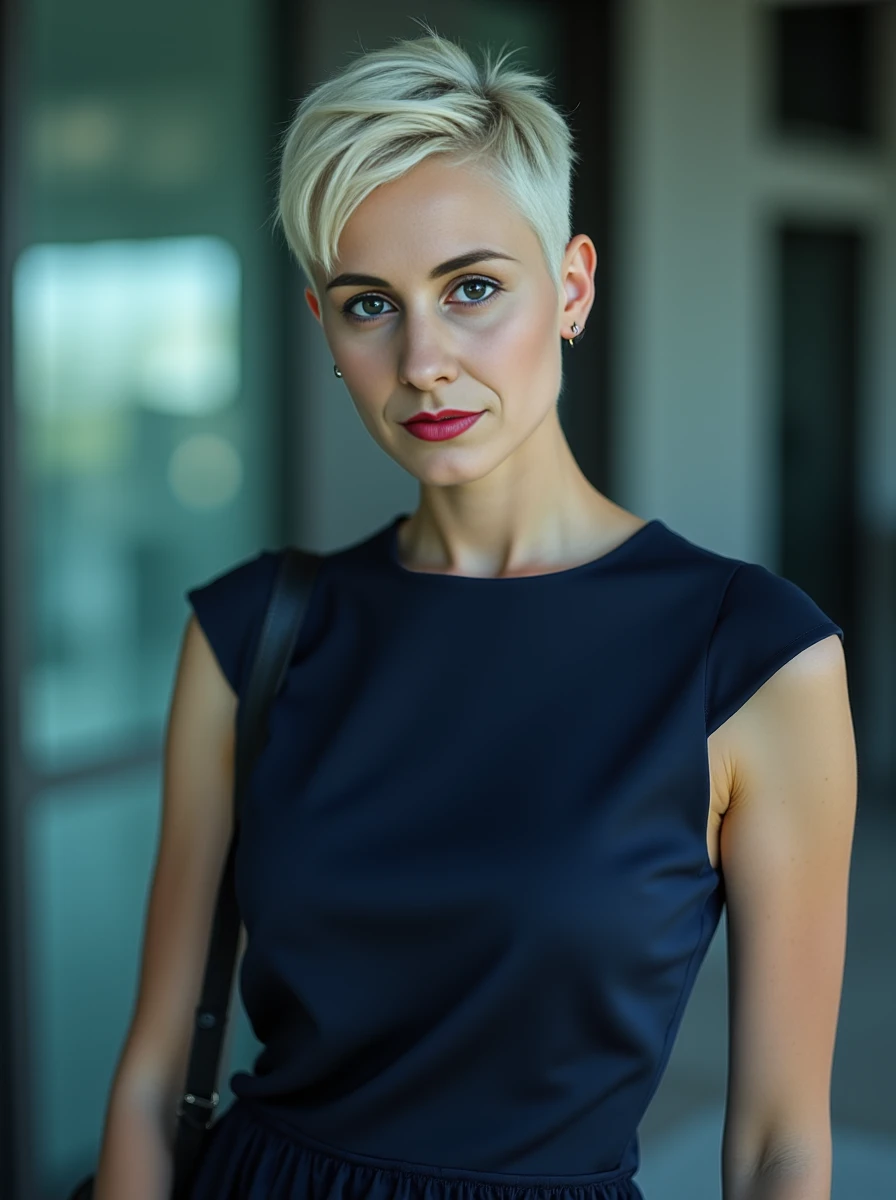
x,y
127,376
144,350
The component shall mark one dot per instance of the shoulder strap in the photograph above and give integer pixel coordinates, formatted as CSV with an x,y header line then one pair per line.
x,y
276,642
280,628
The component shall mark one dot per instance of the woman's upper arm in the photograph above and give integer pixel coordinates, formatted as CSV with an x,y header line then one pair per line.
x,y
786,842
195,831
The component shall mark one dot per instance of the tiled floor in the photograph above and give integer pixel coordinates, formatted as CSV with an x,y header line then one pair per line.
x,y
681,1134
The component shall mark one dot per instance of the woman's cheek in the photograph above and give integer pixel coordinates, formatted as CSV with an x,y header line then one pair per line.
x,y
517,340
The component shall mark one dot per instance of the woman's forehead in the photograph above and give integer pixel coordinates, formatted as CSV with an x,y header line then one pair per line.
x,y
430,216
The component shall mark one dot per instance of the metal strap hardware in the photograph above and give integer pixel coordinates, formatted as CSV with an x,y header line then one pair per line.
x,y
198,1102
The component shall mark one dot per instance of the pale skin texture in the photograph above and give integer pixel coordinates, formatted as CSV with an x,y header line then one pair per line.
x,y
507,498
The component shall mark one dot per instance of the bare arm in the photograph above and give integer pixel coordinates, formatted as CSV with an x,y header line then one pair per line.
x,y
138,1138
786,841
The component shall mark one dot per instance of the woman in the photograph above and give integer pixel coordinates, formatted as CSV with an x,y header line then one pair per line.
x,y
528,743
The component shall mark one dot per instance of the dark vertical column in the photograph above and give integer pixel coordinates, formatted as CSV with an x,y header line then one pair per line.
x,y
587,93
820,323
286,28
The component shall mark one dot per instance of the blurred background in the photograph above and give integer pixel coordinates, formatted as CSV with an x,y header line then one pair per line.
x,y
168,408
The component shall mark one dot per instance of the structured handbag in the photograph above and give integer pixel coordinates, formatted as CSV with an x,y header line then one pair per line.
x,y
195,1112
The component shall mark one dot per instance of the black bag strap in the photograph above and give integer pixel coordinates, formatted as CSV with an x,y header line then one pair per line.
x,y
280,628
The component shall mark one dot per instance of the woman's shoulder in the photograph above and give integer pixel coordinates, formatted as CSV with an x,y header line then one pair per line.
x,y
229,606
744,590
754,620
763,621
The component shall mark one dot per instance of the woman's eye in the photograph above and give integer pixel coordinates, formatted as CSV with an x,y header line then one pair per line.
x,y
371,306
475,289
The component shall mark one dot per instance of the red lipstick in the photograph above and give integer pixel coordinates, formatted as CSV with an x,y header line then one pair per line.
x,y
438,426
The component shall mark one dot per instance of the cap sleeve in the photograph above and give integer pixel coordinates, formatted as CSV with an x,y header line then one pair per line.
x,y
764,620
230,608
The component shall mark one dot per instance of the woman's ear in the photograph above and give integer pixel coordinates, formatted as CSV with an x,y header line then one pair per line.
x,y
313,302
577,278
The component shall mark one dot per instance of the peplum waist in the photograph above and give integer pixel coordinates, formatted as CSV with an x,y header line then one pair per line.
x,y
255,1153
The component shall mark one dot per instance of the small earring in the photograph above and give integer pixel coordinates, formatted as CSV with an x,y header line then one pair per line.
x,y
575,335
337,372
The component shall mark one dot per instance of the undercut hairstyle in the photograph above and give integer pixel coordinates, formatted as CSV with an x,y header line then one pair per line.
x,y
390,109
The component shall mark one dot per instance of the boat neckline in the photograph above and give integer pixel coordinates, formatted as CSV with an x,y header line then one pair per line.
x,y
607,558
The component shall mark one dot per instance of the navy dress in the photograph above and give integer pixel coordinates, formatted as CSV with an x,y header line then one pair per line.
x,y
472,865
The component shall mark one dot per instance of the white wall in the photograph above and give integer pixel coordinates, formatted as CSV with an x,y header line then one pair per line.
x,y
685,372
698,183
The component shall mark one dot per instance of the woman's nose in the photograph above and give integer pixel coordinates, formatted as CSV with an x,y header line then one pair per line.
x,y
425,358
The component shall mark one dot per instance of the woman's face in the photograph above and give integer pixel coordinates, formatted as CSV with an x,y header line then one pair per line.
x,y
418,334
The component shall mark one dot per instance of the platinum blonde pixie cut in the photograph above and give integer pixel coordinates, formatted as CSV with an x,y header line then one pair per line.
x,y
392,108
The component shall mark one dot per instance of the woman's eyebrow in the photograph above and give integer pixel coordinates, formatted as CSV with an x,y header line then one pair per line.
x,y
445,268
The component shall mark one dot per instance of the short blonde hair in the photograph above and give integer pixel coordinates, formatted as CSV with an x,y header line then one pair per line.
x,y
390,109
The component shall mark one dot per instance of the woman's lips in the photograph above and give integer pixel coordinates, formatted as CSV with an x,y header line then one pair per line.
x,y
440,429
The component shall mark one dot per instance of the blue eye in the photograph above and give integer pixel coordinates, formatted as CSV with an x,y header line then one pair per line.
x,y
373,305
